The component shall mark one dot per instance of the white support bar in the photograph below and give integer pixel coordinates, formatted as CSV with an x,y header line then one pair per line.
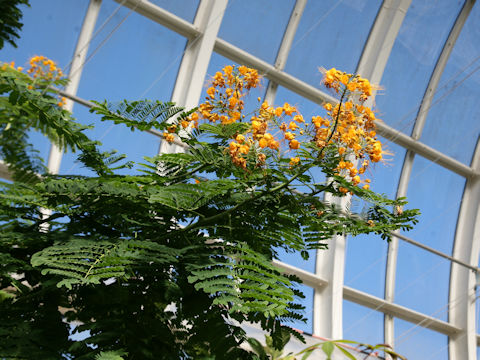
x,y
426,151
400,312
163,17
474,268
392,253
282,78
307,277
330,265
463,281
55,156
193,70
381,39
285,46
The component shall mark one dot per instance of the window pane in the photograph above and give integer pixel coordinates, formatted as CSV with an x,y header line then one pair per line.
x,y
263,31
416,342
452,125
413,57
308,312
437,192
362,324
365,262
422,281
115,72
135,145
330,34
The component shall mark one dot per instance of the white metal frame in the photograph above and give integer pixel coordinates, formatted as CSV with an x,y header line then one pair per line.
x,y
203,40
193,69
390,278
75,73
464,281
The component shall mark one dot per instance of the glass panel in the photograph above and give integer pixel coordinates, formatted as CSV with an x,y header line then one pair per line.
x,y
185,9
330,34
452,125
416,342
437,192
366,259
115,73
135,145
362,324
366,255
264,23
422,281
414,55
308,312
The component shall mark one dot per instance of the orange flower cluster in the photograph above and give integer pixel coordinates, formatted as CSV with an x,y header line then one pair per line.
x,y
348,127
224,102
42,67
335,79
354,126
11,65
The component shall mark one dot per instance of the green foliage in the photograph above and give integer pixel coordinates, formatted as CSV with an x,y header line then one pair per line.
x,y
328,347
166,263
10,21
29,104
141,115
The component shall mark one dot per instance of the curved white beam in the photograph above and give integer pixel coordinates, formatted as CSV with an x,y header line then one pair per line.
x,y
390,278
462,280
75,73
286,45
198,51
330,265
439,67
372,65
162,16
381,39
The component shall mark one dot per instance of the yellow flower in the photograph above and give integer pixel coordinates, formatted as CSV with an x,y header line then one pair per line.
x,y
298,118
294,161
240,138
263,143
292,126
211,92
243,149
289,110
294,144
169,137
